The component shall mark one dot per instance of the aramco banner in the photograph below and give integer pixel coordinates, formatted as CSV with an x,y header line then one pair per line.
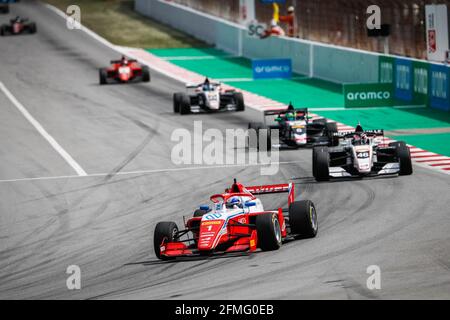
x,y
368,95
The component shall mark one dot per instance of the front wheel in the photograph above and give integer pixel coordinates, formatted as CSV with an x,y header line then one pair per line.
x,y
185,104
404,158
164,231
3,30
103,75
321,169
269,231
177,102
303,219
145,74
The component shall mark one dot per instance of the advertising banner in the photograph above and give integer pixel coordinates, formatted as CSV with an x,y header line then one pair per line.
x,y
403,85
368,95
386,69
272,68
436,21
439,87
420,83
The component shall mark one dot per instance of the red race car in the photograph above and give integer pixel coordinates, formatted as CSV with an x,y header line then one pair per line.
x,y
18,26
124,70
236,221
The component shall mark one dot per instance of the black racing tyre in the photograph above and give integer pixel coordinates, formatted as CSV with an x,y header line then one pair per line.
x,y
269,231
145,74
177,102
103,75
164,231
199,213
404,157
303,219
32,27
3,30
185,104
331,129
239,100
321,160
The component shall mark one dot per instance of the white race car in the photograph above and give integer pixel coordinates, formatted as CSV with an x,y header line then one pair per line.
x,y
207,97
361,153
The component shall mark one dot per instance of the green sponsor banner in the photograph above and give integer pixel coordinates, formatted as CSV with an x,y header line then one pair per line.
x,y
386,69
368,95
420,82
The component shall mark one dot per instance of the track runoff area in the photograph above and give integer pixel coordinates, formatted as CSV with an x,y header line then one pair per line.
x,y
78,189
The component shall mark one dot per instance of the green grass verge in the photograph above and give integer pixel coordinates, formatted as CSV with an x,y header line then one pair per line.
x,y
116,21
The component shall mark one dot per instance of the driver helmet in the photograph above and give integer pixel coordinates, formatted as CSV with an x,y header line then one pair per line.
x,y
291,116
124,60
234,203
364,138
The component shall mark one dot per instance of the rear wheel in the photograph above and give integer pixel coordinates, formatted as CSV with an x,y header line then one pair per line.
x,y
303,219
404,158
239,100
185,104
103,75
145,74
164,231
269,231
321,170
176,102
32,27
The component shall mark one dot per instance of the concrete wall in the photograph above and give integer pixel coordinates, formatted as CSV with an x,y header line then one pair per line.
x,y
338,64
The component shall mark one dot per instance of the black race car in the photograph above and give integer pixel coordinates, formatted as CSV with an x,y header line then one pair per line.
x,y
296,128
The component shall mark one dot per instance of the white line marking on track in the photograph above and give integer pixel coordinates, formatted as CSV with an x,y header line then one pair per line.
x,y
150,171
63,153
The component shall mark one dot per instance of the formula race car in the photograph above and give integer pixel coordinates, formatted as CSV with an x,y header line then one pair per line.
x,y
361,153
236,221
124,70
207,97
296,129
18,26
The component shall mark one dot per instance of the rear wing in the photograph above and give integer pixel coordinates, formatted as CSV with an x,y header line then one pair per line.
x,y
343,134
194,86
280,112
119,61
274,188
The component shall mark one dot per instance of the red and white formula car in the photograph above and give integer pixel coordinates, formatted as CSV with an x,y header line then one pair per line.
x,y
124,70
236,221
18,26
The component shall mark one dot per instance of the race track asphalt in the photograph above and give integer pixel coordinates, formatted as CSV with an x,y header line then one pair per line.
x,y
104,222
